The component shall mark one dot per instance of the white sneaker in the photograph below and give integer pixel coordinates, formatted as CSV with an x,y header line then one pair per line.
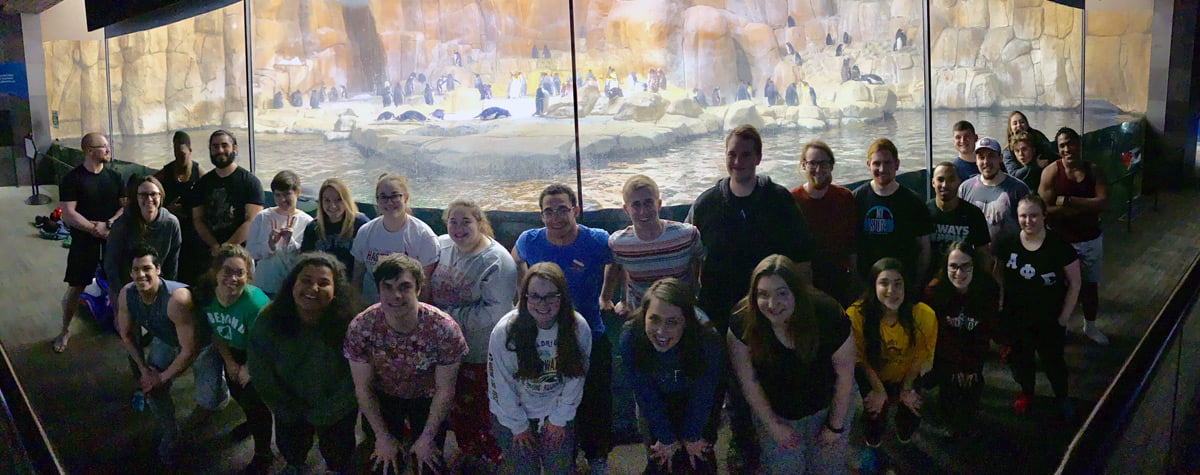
x,y
1093,333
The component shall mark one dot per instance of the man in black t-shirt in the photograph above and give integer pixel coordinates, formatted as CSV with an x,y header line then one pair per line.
x,y
178,178
90,195
225,199
954,220
893,220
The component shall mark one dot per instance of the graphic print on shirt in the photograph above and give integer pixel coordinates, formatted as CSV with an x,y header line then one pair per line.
x,y
995,211
218,210
947,233
548,381
879,220
962,321
226,325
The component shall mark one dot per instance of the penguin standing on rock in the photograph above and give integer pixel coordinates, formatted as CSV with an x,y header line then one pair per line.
x,y
277,100
428,94
770,92
846,37
716,97
545,51
796,59
790,48
791,21
313,100
790,97
828,39
698,96
839,49
901,40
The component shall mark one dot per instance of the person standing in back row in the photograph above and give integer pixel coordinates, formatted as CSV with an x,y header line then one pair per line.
x,y
893,221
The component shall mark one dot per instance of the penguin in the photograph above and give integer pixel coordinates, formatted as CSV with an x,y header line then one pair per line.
x,y
324,94
345,95
492,113
790,49
698,96
796,59
408,84
534,53
413,116
846,37
545,51
387,98
398,93
812,94
438,114
716,97
539,101
901,40
790,97
770,92
428,94
828,39
871,79
839,49
421,78
277,100
457,59
791,21
845,69
743,92
450,81
386,115
296,99
855,73
314,101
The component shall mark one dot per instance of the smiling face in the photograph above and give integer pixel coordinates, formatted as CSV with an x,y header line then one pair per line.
x,y
149,198
1030,217
144,273
463,228
664,324
222,151
642,207
883,167
559,213
1024,152
889,289
95,148
543,301
818,166
774,298
398,297
945,183
183,151
391,198
314,288
741,160
960,269
988,161
1068,150
285,200
1018,123
232,276
332,205
964,142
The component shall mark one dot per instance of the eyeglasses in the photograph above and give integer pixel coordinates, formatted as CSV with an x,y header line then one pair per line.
x,y
392,197
818,164
234,272
152,194
542,299
961,267
559,211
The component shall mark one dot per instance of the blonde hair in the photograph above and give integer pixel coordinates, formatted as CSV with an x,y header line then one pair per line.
x,y
638,182
485,226
399,181
351,209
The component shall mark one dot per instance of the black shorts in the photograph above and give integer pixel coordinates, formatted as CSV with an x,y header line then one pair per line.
x,y
82,258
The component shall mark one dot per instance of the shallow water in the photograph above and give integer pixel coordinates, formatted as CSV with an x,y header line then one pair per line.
x,y
682,170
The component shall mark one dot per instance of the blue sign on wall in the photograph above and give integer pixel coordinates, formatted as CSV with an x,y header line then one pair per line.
x,y
12,80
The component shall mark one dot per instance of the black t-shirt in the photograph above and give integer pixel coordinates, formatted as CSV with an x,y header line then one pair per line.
x,y
225,199
889,227
796,389
740,232
333,242
97,196
1034,281
175,190
965,223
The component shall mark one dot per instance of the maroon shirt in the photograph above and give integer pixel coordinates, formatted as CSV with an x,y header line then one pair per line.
x,y
1084,226
833,226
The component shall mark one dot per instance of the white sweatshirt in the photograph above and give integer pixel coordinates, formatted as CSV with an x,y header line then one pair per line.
x,y
271,267
515,401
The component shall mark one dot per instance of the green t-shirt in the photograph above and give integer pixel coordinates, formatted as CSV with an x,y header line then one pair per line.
x,y
233,322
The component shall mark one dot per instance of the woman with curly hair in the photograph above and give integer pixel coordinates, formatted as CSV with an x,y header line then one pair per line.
x,y
895,337
538,358
295,360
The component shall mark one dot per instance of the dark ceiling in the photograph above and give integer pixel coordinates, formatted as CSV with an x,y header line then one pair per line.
x,y
27,6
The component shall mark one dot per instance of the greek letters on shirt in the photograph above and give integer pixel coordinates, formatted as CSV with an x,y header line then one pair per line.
x,y
1027,272
879,220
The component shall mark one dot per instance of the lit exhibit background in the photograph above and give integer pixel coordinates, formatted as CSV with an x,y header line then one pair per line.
x,y
988,57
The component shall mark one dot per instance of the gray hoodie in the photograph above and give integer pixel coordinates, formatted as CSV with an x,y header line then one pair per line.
x,y
162,234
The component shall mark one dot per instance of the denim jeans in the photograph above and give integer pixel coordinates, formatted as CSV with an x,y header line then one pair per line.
x,y
811,456
520,461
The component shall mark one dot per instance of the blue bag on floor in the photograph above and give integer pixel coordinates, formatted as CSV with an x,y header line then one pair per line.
x,y
95,297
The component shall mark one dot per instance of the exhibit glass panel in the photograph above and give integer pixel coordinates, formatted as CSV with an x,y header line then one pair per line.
x,y
332,78
75,89
189,75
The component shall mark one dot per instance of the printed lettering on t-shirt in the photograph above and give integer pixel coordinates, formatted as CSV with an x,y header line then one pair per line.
x,y
951,233
1028,272
226,324
1049,279
1012,261
879,220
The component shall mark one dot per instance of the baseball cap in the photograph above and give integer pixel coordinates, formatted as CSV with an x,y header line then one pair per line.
x,y
987,142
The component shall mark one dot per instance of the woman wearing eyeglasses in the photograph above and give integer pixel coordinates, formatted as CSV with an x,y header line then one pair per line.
x,y
538,358
144,221
394,230
966,300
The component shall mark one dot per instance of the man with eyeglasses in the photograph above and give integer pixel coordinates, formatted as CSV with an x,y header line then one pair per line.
x,y
831,208
744,218
582,253
90,196
955,220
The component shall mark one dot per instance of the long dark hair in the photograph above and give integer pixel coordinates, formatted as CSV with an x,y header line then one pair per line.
x,y
522,335
872,311
802,326
133,210
283,317
982,287
205,290
673,292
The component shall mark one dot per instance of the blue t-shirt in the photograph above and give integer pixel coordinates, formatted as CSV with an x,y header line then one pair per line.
x,y
582,262
965,169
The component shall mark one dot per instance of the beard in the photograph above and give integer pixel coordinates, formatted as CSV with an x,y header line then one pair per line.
x,y
221,160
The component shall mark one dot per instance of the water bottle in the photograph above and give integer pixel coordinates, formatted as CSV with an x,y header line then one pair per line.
x,y
139,401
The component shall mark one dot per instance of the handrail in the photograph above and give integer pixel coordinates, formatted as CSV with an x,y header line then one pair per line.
x,y
1087,452
32,436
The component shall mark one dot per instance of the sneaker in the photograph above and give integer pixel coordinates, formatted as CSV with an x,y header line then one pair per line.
x,y
1022,404
1093,333
872,442
905,441
598,466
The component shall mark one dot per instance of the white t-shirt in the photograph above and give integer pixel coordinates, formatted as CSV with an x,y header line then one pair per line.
x,y
415,239
271,267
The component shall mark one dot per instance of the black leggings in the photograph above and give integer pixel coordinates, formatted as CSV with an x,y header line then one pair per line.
x,y
593,419
1046,339
258,415
336,441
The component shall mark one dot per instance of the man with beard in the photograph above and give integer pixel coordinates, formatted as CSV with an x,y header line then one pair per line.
x,y
993,191
829,209
954,219
91,200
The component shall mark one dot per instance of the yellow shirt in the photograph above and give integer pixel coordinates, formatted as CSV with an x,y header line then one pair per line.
x,y
898,353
